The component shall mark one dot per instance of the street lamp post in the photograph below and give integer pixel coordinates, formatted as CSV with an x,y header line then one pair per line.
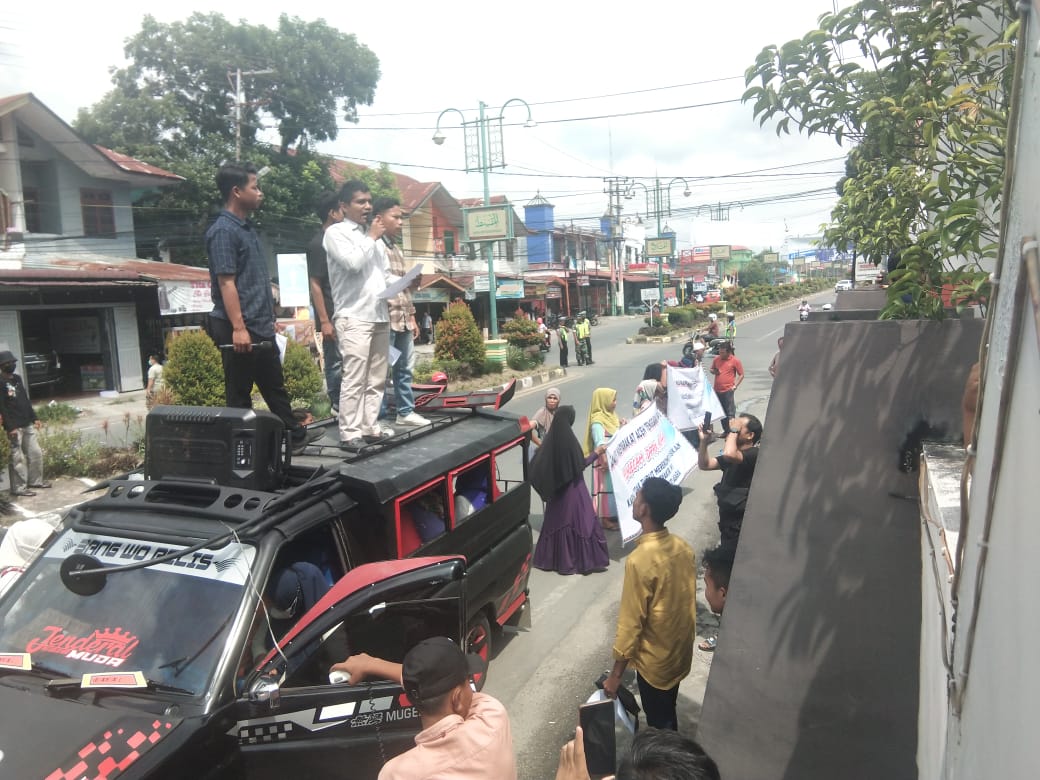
x,y
484,151
662,203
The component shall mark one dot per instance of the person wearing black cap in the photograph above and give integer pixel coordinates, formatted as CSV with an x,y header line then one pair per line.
x,y
20,423
465,734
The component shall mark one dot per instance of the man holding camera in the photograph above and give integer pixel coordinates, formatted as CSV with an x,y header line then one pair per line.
x,y
737,464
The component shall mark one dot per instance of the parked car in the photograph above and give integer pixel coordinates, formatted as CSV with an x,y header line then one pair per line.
x,y
844,285
42,370
642,309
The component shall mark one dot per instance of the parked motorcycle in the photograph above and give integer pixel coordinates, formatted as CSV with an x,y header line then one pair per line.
x,y
546,343
593,318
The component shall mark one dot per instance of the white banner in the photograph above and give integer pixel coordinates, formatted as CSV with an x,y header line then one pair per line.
x,y
689,397
647,446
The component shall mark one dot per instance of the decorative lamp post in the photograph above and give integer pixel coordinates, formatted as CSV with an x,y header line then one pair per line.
x,y
484,151
662,205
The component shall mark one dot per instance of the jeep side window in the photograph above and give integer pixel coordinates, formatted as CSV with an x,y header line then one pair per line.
x,y
472,489
422,516
386,633
510,467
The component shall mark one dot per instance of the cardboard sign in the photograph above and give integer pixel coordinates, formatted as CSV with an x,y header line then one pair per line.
x,y
648,446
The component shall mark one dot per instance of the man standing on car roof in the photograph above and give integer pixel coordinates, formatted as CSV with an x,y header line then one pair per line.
x,y
20,423
404,330
359,275
243,305
330,211
465,734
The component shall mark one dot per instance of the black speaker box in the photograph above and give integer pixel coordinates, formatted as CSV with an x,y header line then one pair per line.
x,y
232,447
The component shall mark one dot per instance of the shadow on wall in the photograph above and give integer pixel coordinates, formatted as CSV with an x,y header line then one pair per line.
x,y
816,672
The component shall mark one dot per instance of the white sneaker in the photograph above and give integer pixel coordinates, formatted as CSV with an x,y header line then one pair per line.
x,y
412,418
385,430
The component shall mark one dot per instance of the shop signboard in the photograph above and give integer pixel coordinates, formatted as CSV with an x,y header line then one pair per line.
x,y
510,288
481,284
430,295
553,291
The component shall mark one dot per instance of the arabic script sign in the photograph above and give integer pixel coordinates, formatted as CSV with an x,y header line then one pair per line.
x,y
488,223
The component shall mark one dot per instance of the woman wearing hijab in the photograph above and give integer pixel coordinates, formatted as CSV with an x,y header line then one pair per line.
x,y
571,540
652,390
542,419
603,423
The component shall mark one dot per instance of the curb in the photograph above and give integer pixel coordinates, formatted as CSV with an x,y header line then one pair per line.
x,y
544,377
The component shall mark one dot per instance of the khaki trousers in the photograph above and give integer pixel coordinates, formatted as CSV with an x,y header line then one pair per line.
x,y
364,348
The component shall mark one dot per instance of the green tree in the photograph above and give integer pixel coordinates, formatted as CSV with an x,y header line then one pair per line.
x,y
754,272
925,102
174,106
458,338
302,377
193,369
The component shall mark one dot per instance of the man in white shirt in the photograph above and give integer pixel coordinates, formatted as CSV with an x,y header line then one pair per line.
x,y
358,273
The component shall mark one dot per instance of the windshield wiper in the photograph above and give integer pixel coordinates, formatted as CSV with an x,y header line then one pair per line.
x,y
68,683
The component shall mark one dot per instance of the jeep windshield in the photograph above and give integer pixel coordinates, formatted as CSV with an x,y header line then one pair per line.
x,y
169,621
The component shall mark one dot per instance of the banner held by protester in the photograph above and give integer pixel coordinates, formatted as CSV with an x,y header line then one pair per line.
x,y
647,446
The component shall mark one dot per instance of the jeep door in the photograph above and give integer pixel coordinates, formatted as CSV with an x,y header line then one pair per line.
x,y
288,724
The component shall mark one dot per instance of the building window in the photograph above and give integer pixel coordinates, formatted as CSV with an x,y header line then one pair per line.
x,y
99,218
31,204
449,243
511,250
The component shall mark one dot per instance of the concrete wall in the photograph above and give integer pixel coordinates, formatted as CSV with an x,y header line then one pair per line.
x,y
816,672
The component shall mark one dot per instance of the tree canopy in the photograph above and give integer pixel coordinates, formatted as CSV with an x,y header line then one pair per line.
x,y
173,105
921,91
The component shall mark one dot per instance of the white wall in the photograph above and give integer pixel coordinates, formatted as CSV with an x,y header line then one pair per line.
x,y
993,736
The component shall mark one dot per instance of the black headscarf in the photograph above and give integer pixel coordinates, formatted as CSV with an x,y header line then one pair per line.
x,y
560,460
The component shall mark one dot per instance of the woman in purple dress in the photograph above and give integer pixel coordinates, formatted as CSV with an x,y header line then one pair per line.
x,y
571,540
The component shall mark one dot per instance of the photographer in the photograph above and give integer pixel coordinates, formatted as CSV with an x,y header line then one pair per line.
x,y
737,464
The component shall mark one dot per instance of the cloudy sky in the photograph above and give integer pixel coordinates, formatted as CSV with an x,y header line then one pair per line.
x,y
646,91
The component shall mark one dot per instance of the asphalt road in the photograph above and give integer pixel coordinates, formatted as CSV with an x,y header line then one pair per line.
x,y
542,675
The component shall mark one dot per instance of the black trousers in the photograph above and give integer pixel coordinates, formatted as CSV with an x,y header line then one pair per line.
x,y
729,407
658,705
260,366
563,356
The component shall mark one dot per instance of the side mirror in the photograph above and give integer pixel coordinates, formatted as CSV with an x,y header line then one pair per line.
x,y
266,691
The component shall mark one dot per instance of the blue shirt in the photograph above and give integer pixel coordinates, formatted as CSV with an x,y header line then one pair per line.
x,y
234,249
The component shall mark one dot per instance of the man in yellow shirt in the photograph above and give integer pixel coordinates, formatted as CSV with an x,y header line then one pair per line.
x,y
657,618
584,334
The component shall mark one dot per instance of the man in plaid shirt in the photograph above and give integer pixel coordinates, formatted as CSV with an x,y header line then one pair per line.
x,y
403,327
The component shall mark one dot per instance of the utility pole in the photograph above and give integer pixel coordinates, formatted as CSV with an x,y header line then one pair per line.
x,y
240,102
616,186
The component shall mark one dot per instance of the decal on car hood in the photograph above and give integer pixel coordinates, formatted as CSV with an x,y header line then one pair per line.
x,y
110,753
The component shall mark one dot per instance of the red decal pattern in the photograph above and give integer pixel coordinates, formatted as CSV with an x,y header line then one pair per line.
x,y
114,751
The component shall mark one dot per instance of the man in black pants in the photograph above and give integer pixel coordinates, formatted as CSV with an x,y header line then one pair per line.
x,y
243,306
657,614
737,464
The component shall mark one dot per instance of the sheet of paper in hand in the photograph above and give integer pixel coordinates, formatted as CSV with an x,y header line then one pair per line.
x,y
689,397
647,446
401,284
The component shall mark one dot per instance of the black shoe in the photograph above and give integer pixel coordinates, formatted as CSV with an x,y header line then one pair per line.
x,y
352,445
309,436
23,492
376,439
41,485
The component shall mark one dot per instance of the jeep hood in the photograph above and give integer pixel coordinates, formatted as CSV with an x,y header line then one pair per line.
x,y
44,737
